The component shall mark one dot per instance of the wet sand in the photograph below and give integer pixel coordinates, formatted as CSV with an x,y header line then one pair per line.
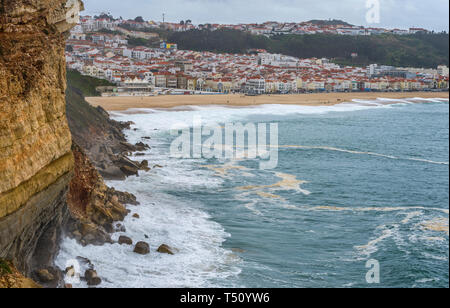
x,y
237,100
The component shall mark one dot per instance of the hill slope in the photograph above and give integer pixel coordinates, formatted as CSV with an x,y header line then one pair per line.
x,y
418,50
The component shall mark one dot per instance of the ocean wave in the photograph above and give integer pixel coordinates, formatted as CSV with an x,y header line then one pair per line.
x,y
372,209
200,259
327,148
431,100
213,115
164,219
372,246
164,120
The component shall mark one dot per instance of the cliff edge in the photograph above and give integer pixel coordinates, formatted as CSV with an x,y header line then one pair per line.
x,y
36,161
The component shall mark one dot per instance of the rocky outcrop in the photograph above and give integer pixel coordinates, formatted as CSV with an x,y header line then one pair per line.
x,y
36,162
166,249
125,240
94,207
142,248
92,278
101,138
11,278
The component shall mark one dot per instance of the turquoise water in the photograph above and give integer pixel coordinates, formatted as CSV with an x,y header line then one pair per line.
x,y
362,181
298,247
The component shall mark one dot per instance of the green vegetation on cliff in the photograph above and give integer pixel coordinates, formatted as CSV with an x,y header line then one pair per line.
x,y
100,137
85,121
418,50
81,116
85,84
4,268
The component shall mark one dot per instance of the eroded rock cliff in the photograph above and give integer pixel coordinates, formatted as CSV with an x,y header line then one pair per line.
x,y
94,207
100,137
36,161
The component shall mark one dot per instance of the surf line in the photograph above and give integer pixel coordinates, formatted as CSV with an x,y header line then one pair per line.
x,y
304,147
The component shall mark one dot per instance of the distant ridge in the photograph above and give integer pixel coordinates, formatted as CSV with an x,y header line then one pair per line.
x,y
414,50
331,22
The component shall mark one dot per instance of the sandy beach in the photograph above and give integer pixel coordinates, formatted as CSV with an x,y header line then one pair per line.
x,y
320,99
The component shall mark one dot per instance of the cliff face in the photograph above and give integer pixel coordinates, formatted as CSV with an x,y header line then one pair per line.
x,y
100,137
36,161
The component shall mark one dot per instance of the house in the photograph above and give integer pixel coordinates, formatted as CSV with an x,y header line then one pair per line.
x,y
182,81
256,86
191,84
161,79
172,81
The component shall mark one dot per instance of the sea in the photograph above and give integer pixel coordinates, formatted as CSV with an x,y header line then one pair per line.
x,y
359,198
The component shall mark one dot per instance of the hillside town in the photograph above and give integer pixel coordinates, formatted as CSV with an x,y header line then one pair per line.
x,y
268,28
168,70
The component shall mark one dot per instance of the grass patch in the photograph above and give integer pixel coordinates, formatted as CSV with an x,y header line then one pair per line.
x,y
85,84
5,269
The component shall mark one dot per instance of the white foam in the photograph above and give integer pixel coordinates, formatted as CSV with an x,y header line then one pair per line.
x,y
212,115
327,148
395,100
162,120
433,100
164,219
184,225
372,246
411,216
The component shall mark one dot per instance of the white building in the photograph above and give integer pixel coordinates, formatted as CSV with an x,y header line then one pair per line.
x,y
277,60
256,86
140,53
443,70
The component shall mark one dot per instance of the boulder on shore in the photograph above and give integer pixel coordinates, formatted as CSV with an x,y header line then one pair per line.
x,y
125,240
45,276
166,249
140,146
129,171
144,165
92,278
142,248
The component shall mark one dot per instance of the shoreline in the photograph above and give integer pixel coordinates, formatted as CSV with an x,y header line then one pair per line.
x,y
239,100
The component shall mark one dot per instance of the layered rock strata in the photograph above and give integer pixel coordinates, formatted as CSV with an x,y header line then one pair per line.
x,y
36,162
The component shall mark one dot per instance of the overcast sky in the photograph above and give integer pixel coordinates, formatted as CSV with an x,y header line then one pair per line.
x,y
430,14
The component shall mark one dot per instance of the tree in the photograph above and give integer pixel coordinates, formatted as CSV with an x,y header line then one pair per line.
x,y
106,16
182,23
139,19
